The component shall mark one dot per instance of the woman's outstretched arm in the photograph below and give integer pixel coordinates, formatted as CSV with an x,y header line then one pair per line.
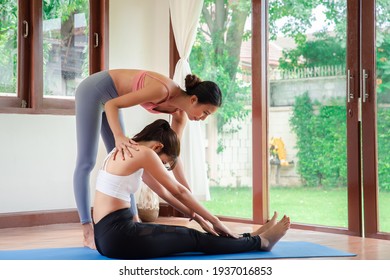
x,y
152,164
171,200
179,121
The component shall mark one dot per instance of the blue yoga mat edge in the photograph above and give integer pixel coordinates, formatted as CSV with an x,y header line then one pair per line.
x,y
282,250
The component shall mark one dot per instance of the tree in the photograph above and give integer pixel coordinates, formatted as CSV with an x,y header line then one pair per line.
x,y
321,138
325,134
8,46
323,50
216,54
63,9
328,48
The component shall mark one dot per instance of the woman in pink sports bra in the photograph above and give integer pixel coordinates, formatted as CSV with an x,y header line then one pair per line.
x,y
98,100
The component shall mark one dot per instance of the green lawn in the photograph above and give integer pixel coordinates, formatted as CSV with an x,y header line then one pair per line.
x,y
303,205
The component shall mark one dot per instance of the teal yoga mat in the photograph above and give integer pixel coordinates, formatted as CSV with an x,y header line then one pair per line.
x,y
282,250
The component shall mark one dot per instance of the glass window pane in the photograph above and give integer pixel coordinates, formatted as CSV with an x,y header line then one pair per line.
x,y
65,46
383,111
221,53
8,47
307,113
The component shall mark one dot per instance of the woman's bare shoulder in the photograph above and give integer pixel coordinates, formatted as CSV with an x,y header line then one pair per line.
x,y
148,158
144,153
141,158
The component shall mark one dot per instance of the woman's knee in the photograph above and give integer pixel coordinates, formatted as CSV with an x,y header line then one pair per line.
x,y
86,165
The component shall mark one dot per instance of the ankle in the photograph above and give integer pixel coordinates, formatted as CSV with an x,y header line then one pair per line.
x,y
264,245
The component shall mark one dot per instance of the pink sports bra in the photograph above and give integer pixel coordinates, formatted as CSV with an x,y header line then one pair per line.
x,y
118,186
138,84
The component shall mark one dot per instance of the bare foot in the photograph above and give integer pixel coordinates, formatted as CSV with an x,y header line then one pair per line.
x,y
274,234
89,240
266,226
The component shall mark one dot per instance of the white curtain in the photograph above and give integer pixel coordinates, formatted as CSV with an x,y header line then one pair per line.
x,y
185,17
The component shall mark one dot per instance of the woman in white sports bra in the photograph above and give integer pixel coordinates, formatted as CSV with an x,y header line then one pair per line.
x,y
118,236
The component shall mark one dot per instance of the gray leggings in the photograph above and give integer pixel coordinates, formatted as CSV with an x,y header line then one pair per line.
x,y
91,95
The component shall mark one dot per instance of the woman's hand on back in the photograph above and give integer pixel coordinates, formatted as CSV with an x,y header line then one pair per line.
x,y
124,145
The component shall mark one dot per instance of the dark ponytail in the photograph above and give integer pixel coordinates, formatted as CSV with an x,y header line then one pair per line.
x,y
207,92
161,131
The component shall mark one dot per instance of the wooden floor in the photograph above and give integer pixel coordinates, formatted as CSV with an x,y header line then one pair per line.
x,y
70,235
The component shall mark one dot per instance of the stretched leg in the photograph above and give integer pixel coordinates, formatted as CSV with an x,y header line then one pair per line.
x,y
141,240
270,237
109,142
118,237
88,122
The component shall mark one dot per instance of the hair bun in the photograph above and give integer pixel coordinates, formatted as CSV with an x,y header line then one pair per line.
x,y
165,125
192,81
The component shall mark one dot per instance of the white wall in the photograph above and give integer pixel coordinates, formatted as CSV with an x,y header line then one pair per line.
x,y
37,160
37,152
139,39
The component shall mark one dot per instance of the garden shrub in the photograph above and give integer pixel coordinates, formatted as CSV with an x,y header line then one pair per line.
x,y
321,143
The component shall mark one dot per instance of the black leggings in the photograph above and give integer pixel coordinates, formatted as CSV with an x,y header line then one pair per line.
x,y
117,236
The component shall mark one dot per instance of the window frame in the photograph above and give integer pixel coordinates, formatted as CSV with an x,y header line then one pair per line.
x,y
29,98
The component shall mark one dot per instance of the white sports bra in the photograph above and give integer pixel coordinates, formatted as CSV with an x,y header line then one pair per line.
x,y
118,186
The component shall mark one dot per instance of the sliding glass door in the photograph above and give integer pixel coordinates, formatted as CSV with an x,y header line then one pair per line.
x,y
328,96
307,112
375,93
382,49
304,129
